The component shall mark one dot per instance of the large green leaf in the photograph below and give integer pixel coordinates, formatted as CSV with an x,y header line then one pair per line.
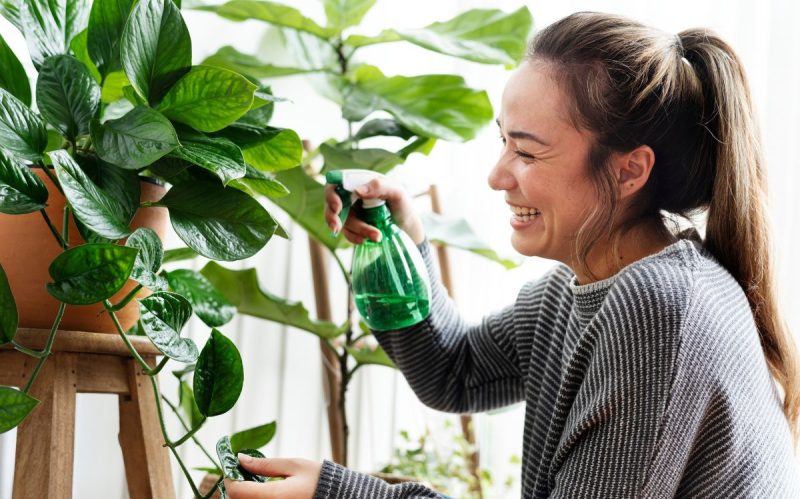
x,y
8,310
162,316
50,25
345,13
12,74
241,288
379,160
99,211
311,52
156,49
370,356
179,254
261,111
10,9
14,407
488,36
148,260
268,149
21,191
457,233
219,223
22,132
229,58
124,186
384,128
81,52
228,460
113,87
208,98
218,155
90,273
306,206
135,140
253,438
106,24
431,105
270,12
208,303
218,376
256,182
189,406
67,95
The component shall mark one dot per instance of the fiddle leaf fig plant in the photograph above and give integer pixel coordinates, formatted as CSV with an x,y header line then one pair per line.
x,y
117,102
411,111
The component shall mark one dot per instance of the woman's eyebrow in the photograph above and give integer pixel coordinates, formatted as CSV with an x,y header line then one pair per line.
x,y
518,134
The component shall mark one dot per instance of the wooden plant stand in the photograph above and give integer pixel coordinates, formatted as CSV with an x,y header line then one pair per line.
x,y
83,362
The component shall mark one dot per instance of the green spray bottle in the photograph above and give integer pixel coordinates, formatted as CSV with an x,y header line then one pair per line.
x,y
390,281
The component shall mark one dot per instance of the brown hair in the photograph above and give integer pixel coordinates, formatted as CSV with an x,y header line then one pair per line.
x,y
686,97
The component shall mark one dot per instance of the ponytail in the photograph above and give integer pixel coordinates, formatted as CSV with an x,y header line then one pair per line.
x,y
737,231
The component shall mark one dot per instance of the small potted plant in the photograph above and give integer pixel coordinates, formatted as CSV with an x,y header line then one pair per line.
x,y
125,135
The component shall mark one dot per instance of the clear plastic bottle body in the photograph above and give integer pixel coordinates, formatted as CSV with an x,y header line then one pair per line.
x,y
390,281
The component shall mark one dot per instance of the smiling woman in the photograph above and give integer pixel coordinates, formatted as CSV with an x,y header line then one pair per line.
x,y
645,356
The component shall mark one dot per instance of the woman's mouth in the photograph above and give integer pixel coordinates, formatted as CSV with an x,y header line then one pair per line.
x,y
523,214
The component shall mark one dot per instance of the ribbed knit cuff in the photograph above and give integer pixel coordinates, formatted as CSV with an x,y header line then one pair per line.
x,y
330,480
338,482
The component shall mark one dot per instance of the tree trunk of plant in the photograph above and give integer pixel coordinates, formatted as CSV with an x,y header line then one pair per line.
x,y
331,370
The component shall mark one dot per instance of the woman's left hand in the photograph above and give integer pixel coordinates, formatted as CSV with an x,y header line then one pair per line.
x,y
301,477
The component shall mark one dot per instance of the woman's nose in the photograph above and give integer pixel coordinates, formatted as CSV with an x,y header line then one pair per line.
x,y
501,178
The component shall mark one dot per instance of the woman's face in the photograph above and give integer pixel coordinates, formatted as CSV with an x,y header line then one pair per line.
x,y
542,166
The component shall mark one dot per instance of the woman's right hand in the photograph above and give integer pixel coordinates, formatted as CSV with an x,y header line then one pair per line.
x,y
397,199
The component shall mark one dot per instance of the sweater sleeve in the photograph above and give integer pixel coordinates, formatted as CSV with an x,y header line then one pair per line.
x,y
338,482
456,367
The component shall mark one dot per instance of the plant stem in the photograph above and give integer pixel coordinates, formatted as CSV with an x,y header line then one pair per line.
x,y
27,351
55,232
164,433
52,178
189,435
47,348
65,224
130,296
214,488
146,368
186,427
186,472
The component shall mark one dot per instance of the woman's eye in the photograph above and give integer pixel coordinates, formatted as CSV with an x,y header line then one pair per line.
x,y
502,139
522,154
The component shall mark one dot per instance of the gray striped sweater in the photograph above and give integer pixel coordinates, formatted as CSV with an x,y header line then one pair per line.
x,y
651,383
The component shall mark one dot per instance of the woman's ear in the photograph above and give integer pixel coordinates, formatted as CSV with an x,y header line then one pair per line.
x,y
632,169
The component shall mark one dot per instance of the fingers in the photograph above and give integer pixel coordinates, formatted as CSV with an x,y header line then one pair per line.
x,y
380,188
248,490
333,205
269,467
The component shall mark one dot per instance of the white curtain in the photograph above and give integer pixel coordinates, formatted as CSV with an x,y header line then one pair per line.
x,y
282,368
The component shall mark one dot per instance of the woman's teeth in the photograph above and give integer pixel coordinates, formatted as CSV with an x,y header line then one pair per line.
x,y
524,214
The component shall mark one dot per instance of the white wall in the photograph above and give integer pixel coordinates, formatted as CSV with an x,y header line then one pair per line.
x,y
282,370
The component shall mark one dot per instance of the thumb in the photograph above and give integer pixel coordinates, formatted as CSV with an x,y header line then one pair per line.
x,y
379,188
267,467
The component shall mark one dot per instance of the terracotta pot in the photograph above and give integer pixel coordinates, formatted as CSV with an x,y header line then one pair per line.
x,y
210,480
27,247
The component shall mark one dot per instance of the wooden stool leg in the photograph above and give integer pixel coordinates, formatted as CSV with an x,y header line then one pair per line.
x,y
46,439
147,464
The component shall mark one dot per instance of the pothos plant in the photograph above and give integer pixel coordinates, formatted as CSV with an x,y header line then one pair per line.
x,y
415,111
118,99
